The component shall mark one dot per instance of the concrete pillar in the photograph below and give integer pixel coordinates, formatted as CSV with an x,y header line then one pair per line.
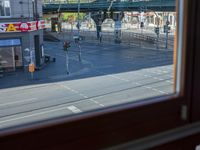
x,y
98,18
117,17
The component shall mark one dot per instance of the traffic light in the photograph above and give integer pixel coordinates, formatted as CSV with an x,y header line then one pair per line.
x,y
142,25
166,28
66,45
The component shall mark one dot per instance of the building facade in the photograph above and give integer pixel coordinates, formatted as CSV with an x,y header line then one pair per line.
x,y
21,34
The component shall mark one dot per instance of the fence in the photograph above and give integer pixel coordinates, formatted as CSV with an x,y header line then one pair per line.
x,y
128,38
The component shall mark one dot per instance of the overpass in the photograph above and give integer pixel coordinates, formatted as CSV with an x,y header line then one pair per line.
x,y
102,5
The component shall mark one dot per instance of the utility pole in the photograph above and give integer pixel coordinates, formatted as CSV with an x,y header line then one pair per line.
x,y
167,31
78,18
79,30
157,30
67,61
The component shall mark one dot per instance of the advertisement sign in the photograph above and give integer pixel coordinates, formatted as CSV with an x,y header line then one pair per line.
x,y
22,26
40,24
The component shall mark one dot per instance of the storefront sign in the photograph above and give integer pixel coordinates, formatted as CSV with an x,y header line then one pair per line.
x,y
40,24
3,27
22,26
11,28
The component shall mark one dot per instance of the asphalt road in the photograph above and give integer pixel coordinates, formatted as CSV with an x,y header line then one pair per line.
x,y
109,75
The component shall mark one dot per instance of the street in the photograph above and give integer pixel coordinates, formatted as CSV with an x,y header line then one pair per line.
x,y
108,75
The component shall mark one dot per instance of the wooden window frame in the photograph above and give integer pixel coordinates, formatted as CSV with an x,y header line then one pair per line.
x,y
115,125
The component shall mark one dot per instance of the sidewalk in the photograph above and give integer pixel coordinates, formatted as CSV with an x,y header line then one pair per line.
x,y
50,72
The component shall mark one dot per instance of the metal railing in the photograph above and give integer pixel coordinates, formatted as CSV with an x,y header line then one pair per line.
x,y
128,38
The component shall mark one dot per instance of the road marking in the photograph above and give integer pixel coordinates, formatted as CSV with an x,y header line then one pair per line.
x,y
102,105
16,102
139,84
74,109
122,79
32,115
82,95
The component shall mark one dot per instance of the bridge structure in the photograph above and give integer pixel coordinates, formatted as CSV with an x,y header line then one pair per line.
x,y
114,9
151,5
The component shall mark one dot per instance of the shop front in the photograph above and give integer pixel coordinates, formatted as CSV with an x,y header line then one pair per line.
x,y
15,39
11,54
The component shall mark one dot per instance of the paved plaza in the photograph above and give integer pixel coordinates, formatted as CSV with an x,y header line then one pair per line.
x,y
108,74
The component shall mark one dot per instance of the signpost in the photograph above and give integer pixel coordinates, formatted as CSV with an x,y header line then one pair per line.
x,y
166,30
66,45
29,58
157,31
79,30
141,27
118,25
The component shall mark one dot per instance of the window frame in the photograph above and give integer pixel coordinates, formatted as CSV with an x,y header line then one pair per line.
x,y
195,104
5,10
115,125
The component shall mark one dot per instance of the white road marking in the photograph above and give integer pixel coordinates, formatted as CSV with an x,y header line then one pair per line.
x,y
122,79
32,115
74,109
82,95
20,101
91,99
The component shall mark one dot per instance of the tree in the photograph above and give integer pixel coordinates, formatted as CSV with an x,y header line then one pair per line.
x,y
71,19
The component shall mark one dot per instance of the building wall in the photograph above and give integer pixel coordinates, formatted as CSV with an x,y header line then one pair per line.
x,y
27,40
22,11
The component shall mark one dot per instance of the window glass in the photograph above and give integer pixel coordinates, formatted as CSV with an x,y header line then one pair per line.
x,y
4,8
95,55
1,8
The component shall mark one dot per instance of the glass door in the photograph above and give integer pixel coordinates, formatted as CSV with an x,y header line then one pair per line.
x,y
18,57
11,58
